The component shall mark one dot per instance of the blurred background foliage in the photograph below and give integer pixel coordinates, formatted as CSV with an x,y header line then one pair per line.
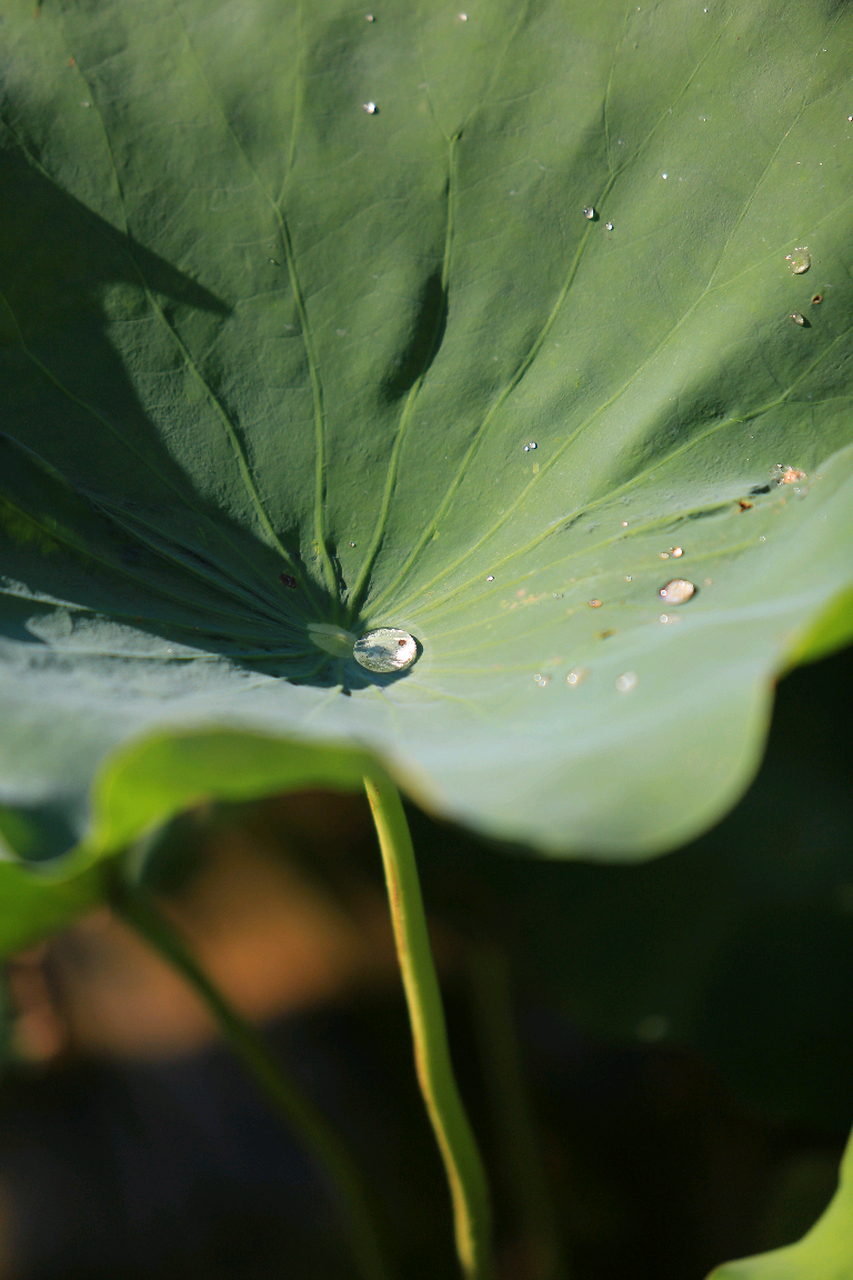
x,y
683,1026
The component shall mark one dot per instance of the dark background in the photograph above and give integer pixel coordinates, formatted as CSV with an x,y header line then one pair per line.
x,y
684,1026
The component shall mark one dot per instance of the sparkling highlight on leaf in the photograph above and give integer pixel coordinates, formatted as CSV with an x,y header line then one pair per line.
x,y
385,650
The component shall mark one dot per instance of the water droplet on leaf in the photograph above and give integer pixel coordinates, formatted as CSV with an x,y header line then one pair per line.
x,y
576,675
531,445
788,475
626,682
677,591
595,604
371,108
799,261
589,212
676,552
542,680
608,226
490,578
798,319
386,649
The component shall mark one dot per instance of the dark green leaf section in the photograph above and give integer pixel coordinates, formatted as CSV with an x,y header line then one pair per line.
x,y
272,362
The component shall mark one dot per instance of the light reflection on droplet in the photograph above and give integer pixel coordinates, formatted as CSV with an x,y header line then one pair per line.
x,y
385,650
490,578
788,475
676,552
589,212
797,318
595,604
627,681
532,445
576,676
799,261
608,226
542,680
677,591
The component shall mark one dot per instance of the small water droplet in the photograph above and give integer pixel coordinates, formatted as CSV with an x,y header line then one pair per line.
x,y
490,578
531,445
542,680
352,544
85,104
788,475
385,649
669,618
798,319
576,676
463,17
595,604
626,682
371,108
664,175
589,212
677,591
608,226
624,524
676,552
761,538
664,555
558,595
368,17
799,261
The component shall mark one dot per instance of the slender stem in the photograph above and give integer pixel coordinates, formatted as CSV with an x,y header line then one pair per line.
x,y
515,1124
462,1163
317,1136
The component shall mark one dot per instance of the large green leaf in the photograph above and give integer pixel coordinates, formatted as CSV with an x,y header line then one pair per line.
x,y
250,329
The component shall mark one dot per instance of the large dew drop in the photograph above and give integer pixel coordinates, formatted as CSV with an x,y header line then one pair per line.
x,y
385,650
799,261
677,591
